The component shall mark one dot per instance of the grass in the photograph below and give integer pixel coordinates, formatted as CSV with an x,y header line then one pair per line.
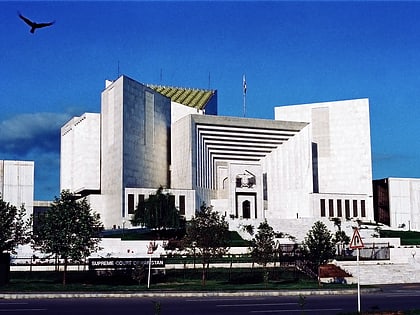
x,y
407,237
146,235
218,279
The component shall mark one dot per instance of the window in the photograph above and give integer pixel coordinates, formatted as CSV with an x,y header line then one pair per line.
x,y
331,207
355,212
182,205
363,208
172,201
339,209
265,194
141,203
246,209
347,208
130,203
322,207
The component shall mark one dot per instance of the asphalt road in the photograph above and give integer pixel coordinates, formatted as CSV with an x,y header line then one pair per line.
x,y
391,298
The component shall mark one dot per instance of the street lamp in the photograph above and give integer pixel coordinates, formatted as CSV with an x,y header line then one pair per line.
x,y
194,244
150,249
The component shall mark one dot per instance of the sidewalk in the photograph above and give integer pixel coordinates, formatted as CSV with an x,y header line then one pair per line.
x,y
73,295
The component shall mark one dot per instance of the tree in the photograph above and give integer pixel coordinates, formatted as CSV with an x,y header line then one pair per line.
x,y
13,229
341,239
262,246
69,229
318,246
208,234
158,212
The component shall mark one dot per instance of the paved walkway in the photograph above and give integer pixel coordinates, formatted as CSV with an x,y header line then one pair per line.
x,y
72,295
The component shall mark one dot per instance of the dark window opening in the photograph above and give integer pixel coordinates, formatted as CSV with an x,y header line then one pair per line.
x,y
140,204
322,207
339,209
265,194
347,208
355,212
172,201
363,208
246,209
331,207
130,203
182,205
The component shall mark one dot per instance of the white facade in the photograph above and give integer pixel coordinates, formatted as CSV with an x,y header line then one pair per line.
x,y
17,184
289,179
341,156
134,144
313,161
232,163
122,152
404,203
80,154
184,200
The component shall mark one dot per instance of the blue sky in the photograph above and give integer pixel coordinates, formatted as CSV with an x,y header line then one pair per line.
x,y
291,53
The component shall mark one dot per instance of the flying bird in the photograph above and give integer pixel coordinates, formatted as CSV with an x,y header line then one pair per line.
x,y
34,25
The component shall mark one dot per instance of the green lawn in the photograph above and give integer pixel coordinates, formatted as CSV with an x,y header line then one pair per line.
x,y
181,280
143,235
407,237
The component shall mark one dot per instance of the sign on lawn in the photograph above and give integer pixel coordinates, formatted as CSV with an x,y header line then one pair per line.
x,y
123,263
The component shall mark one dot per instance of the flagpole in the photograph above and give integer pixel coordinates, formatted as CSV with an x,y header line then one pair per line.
x,y
244,92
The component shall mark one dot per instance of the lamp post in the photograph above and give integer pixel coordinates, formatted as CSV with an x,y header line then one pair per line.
x,y
123,224
150,249
194,244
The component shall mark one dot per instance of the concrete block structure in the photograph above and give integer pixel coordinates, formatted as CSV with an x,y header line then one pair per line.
x,y
340,153
80,154
226,160
17,184
397,202
312,161
134,142
128,147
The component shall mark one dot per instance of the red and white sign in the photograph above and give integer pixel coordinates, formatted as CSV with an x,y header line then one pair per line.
x,y
356,240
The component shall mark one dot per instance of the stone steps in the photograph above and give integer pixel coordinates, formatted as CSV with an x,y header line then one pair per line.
x,y
382,273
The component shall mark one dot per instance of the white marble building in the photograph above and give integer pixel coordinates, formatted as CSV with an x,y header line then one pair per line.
x,y
398,202
125,151
17,183
80,153
340,155
227,161
312,161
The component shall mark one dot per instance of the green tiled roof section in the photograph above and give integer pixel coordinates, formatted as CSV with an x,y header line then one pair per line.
x,y
190,97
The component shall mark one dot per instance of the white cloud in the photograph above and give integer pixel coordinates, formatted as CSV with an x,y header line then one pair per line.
x,y
35,137
26,132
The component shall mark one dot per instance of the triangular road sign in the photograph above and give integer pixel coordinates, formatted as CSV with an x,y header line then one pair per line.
x,y
356,240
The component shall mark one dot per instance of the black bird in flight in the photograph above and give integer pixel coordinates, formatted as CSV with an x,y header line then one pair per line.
x,y
34,25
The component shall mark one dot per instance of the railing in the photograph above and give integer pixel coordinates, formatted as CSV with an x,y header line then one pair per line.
x,y
287,257
370,251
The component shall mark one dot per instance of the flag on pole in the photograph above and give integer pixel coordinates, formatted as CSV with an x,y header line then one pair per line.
x,y
244,83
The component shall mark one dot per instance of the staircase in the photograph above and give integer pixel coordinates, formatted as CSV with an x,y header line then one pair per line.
x,y
374,272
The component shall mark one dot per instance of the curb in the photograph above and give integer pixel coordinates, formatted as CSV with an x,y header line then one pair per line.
x,y
76,295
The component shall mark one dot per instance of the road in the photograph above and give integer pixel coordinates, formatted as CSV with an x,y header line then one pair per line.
x,y
392,298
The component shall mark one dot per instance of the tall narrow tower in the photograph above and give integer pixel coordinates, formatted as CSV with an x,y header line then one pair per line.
x,y
134,142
